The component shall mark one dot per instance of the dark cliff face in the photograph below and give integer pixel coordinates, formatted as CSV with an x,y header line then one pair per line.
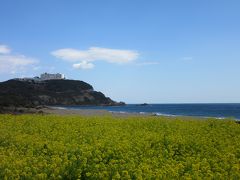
x,y
51,92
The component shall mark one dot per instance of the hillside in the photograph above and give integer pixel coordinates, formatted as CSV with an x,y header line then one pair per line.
x,y
51,92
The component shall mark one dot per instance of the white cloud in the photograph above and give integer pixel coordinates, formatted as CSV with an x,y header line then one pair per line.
x,y
83,65
11,64
71,54
4,49
94,54
188,58
147,63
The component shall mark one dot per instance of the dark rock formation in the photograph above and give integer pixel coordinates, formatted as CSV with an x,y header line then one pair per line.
x,y
52,92
144,104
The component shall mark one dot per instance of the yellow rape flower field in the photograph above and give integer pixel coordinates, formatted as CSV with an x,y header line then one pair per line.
x,y
106,147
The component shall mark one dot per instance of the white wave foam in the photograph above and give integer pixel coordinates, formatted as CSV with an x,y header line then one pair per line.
x,y
162,114
121,112
59,108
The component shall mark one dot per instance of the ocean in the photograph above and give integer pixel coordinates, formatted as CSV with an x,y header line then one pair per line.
x,y
219,111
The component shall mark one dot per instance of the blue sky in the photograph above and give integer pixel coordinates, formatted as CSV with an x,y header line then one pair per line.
x,y
135,51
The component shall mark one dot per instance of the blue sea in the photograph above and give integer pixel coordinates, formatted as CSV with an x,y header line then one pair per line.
x,y
219,111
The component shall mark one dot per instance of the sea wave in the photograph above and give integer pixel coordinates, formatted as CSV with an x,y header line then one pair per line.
x,y
121,112
163,114
55,107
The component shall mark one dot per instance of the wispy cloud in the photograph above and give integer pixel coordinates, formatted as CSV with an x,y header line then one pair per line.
x,y
13,63
84,57
147,63
83,65
4,49
187,58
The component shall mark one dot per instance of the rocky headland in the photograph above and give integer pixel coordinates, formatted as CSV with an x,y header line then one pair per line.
x,y
30,93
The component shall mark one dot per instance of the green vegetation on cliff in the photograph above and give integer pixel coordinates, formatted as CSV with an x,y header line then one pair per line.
x,y
51,92
72,147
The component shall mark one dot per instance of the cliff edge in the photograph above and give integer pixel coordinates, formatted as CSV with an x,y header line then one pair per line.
x,y
51,92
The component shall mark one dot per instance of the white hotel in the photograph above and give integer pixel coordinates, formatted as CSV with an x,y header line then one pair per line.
x,y
47,76
43,77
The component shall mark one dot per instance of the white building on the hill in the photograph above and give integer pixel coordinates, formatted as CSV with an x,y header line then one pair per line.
x,y
43,77
47,76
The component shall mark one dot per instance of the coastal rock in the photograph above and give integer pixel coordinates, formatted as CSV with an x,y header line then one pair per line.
x,y
51,92
144,104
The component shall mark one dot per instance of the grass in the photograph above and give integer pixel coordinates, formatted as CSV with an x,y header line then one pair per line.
x,y
75,147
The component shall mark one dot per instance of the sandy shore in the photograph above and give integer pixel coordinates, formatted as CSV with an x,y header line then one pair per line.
x,y
78,112
87,112
63,111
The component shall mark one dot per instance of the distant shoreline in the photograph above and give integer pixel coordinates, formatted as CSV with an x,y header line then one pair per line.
x,y
62,111
203,111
